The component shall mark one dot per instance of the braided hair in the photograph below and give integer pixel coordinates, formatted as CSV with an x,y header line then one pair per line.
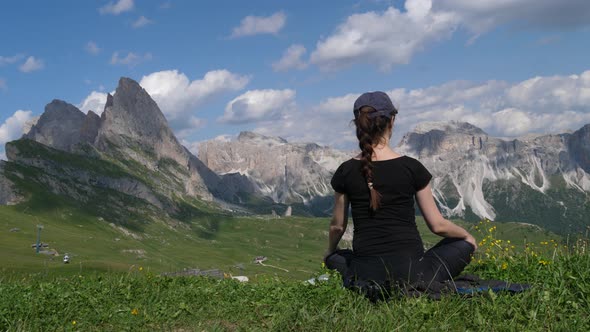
x,y
369,131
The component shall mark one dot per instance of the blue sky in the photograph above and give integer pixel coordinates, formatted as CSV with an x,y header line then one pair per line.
x,y
293,69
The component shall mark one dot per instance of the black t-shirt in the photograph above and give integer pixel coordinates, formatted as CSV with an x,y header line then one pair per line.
x,y
390,230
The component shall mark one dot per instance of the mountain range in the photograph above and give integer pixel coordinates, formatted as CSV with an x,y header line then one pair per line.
x,y
128,164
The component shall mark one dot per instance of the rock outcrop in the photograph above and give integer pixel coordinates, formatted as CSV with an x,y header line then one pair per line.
x,y
468,166
285,172
59,126
8,192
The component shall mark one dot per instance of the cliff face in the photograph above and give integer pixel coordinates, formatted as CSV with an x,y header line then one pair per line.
x,y
539,179
9,195
499,179
579,147
131,136
59,126
270,166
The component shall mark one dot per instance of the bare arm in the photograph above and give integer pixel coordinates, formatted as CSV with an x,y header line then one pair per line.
x,y
436,222
338,223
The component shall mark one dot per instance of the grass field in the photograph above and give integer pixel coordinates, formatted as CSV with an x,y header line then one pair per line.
x,y
138,300
211,242
113,282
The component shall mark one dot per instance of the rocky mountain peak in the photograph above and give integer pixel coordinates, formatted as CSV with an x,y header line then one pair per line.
x,y
133,121
59,126
443,137
450,127
249,136
579,146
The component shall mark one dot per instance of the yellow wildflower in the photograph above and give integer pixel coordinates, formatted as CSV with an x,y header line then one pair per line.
x,y
74,322
134,311
504,266
141,268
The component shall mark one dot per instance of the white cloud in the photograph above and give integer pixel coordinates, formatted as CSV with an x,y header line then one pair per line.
x,y
255,25
32,64
131,59
94,102
13,127
385,39
190,125
116,8
8,60
337,104
259,105
291,59
550,104
92,48
141,22
553,93
392,37
177,95
3,85
484,15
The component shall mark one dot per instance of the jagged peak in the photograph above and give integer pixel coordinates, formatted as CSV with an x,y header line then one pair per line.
x,y
91,114
245,136
128,83
58,106
449,126
109,102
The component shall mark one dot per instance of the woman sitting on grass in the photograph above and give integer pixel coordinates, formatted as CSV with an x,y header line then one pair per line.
x,y
380,186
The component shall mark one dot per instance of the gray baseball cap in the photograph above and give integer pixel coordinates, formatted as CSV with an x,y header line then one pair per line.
x,y
378,100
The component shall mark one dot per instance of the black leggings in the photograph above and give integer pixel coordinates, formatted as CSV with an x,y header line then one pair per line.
x,y
442,262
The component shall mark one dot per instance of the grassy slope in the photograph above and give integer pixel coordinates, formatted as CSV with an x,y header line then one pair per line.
x,y
558,300
213,241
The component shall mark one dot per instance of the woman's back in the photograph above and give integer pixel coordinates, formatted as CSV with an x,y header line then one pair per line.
x,y
391,229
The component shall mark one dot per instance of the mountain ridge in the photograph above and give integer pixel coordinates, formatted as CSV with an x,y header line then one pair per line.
x,y
131,149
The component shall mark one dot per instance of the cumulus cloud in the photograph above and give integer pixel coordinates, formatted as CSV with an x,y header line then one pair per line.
x,y
13,127
549,104
259,105
117,7
392,37
177,95
131,59
32,64
385,39
291,59
94,102
8,60
92,48
256,25
481,16
190,125
141,22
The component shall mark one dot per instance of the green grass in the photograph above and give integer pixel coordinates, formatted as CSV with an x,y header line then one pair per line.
x,y
139,300
105,284
206,241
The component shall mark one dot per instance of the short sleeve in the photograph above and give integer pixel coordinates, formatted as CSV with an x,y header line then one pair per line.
x,y
422,176
337,181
